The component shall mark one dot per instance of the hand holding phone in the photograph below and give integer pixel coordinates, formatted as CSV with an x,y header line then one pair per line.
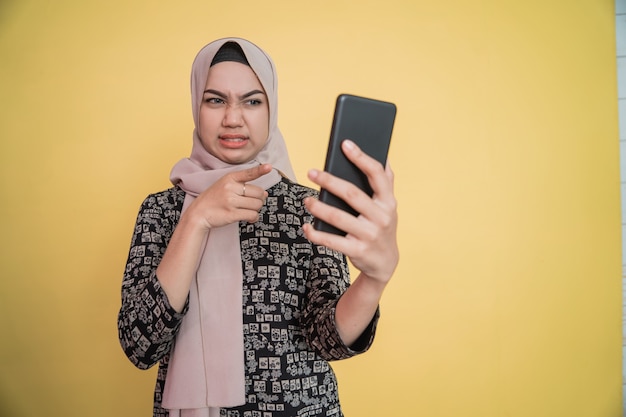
x,y
369,124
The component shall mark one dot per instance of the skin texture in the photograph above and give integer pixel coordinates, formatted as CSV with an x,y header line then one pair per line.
x,y
234,115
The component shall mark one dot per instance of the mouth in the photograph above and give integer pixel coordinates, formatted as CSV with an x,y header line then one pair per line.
x,y
233,141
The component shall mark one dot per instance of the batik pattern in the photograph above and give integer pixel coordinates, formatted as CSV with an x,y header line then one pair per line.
x,y
290,289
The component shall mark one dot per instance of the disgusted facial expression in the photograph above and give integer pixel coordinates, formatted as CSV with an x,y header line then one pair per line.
x,y
234,114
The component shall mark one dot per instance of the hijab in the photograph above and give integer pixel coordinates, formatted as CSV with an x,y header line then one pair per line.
x,y
206,366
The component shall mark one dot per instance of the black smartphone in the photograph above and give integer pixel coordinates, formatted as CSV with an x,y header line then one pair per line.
x,y
366,122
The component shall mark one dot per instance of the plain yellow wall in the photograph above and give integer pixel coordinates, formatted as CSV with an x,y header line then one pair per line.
x,y
507,301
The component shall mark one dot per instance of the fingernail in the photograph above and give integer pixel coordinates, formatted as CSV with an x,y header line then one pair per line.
x,y
349,144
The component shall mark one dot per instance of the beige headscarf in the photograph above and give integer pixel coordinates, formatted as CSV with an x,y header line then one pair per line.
x,y
206,368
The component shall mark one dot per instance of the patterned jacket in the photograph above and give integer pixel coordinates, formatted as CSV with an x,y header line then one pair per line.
x,y
290,290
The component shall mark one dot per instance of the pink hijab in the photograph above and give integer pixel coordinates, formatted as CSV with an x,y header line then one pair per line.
x,y
206,368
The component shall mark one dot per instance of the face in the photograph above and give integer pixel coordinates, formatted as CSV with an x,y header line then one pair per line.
x,y
234,114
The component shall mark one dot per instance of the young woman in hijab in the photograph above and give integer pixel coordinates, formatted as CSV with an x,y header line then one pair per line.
x,y
227,286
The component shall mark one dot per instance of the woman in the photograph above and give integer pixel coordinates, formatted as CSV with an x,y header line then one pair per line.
x,y
227,286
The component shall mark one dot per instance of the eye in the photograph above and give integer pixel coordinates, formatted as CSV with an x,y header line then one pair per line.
x,y
254,102
213,100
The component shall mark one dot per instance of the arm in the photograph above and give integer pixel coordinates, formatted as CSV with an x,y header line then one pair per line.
x,y
220,204
327,285
147,323
164,256
370,242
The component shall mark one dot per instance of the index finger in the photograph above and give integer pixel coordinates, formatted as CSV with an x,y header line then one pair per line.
x,y
251,174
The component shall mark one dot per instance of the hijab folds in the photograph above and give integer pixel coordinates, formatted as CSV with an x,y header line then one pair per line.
x,y
206,367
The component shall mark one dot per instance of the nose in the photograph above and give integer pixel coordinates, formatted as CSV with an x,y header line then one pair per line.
x,y
233,116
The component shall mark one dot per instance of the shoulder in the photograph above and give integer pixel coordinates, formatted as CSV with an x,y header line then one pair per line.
x,y
171,198
166,204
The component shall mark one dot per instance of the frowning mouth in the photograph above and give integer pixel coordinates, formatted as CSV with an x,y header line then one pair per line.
x,y
233,136
233,140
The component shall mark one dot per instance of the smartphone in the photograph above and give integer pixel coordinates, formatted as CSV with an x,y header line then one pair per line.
x,y
366,122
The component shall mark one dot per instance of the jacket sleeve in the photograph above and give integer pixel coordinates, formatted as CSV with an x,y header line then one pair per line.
x,y
147,323
329,278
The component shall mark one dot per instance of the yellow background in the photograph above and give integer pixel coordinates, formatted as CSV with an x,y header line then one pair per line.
x,y
507,301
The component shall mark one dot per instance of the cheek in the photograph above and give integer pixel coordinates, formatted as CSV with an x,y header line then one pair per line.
x,y
207,120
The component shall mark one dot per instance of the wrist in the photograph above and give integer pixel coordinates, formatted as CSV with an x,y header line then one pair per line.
x,y
192,219
370,287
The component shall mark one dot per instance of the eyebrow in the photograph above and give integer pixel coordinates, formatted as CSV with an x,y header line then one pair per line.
x,y
222,95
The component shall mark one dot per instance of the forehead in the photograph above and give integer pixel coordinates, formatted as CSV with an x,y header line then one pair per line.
x,y
232,76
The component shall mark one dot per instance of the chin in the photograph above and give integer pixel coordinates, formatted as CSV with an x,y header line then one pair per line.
x,y
237,161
